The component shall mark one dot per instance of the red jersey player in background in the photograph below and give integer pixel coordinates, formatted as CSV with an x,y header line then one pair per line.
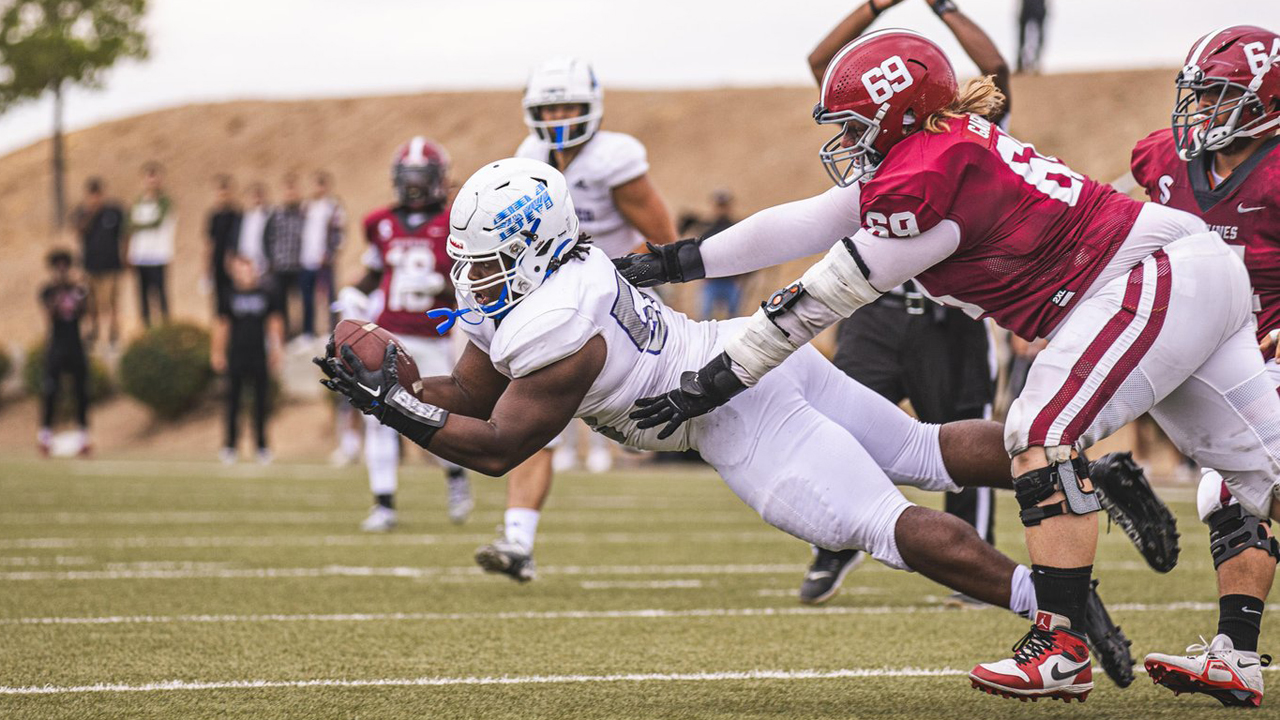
x,y
1219,161
406,275
1145,309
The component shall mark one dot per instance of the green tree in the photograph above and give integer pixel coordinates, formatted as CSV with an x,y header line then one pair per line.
x,y
48,45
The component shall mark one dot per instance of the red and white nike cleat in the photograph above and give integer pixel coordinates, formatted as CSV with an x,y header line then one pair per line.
x,y
1217,669
1050,661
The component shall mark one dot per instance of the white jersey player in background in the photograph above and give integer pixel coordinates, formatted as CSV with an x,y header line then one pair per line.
x,y
620,209
407,274
555,332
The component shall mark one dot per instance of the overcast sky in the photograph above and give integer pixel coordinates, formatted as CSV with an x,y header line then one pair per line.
x,y
231,49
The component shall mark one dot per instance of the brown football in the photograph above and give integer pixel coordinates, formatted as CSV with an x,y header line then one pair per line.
x,y
369,341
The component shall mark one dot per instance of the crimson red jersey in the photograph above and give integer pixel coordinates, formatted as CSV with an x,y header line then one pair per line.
x,y
1244,210
1033,233
415,268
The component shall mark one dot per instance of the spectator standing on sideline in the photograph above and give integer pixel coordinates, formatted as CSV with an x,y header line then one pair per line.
x,y
152,221
321,238
904,346
282,243
248,338
724,292
224,236
65,301
1031,17
253,226
101,225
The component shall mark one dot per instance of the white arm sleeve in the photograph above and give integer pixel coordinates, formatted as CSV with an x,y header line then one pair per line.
x,y
895,260
783,232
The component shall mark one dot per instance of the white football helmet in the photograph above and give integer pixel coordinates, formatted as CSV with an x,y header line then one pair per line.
x,y
558,82
514,213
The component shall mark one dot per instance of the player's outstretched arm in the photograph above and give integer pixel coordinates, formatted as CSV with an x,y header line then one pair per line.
x,y
854,24
770,237
472,389
978,46
528,414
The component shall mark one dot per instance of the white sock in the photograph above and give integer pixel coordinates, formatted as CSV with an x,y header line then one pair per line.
x,y
350,442
1022,593
521,526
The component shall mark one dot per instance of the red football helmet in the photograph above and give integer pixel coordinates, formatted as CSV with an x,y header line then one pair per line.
x,y
1229,89
420,173
879,88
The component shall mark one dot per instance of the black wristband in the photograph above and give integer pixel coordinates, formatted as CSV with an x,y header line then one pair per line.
x,y
411,417
875,11
685,260
718,380
942,7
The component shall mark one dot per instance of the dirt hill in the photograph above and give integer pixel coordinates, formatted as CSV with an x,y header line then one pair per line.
x,y
760,142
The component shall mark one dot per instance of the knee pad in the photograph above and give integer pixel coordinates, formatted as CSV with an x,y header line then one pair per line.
x,y
1232,531
1034,487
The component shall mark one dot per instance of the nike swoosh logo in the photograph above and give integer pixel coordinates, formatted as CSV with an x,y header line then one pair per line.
x,y
1251,612
372,391
1246,665
1053,672
1242,209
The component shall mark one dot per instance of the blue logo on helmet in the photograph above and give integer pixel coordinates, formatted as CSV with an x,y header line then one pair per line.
x,y
522,212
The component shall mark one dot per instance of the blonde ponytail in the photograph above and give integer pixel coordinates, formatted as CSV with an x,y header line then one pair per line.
x,y
979,96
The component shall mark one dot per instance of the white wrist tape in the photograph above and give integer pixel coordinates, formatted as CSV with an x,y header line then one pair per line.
x,y
760,347
837,281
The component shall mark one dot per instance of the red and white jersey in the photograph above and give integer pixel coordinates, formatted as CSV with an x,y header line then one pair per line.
x,y
414,265
1244,209
1034,234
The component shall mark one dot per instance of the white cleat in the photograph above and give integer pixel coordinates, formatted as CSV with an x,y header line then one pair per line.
x,y
507,558
460,501
380,519
599,460
1233,677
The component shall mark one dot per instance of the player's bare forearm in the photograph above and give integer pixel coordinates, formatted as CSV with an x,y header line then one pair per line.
x,y
644,209
982,51
854,24
472,389
367,284
527,416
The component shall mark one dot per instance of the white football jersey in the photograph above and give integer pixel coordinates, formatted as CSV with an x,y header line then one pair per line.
x,y
607,160
649,344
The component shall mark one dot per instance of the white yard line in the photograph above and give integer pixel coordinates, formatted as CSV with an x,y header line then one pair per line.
x,y
765,534
303,517
171,685
402,572
640,584
652,613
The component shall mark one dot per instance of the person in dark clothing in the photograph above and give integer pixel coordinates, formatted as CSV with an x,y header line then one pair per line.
x,y
904,346
248,339
65,301
282,244
724,293
224,236
1031,17
101,225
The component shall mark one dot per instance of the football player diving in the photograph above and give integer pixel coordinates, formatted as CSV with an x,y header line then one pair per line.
x,y
556,333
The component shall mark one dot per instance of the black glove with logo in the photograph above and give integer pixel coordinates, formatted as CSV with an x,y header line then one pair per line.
x,y
699,393
366,389
675,263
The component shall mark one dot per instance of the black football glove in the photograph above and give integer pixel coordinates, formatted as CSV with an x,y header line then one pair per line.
x,y
366,389
699,393
675,263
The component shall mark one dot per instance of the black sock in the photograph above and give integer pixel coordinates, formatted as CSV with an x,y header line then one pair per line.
x,y
1240,618
387,501
1063,591
454,473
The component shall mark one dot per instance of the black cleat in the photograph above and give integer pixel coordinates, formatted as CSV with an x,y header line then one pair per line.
x,y
507,558
822,581
1127,497
1107,640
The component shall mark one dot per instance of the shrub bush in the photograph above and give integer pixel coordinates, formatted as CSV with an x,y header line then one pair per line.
x,y
167,369
101,385
6,364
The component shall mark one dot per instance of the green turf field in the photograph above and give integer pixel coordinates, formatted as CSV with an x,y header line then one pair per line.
x,y
183,590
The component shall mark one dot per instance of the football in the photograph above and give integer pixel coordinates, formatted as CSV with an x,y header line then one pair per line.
x,y
369,342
